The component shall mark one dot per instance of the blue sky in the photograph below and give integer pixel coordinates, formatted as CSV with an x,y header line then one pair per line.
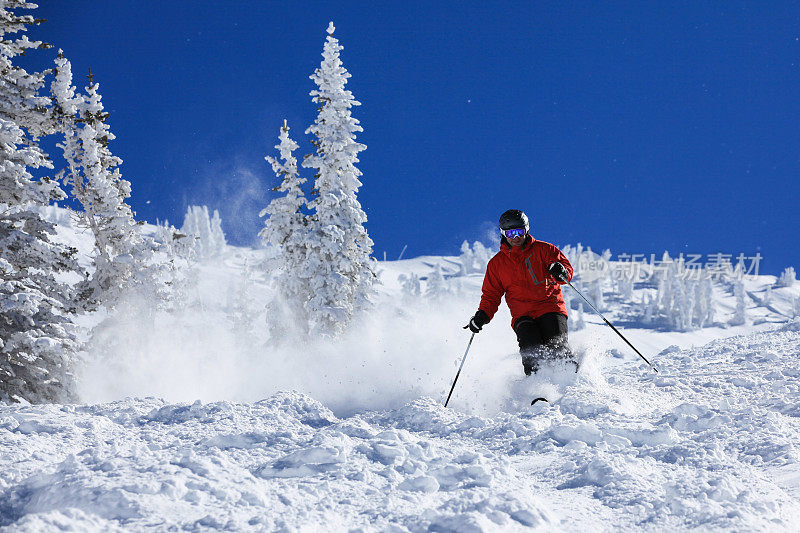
x,y
634,126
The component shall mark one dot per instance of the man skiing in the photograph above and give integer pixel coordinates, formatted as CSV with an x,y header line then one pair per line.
x,y
529,273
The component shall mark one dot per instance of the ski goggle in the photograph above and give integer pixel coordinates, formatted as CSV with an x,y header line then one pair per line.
x,y
513,233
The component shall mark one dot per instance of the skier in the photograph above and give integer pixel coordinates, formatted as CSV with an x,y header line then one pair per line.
x,y
529,273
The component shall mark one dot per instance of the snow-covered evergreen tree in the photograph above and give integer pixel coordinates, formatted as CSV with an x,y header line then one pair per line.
x,y
579,321
662,271
285,233
123,258
176,245
285,225
180,265
37,337
467,259
698,305
623,275
597,295
650,306
708,296
683,297
767,299
410,287
688,303
241,312
436,286
344,274
218,236
739,316
787,278
681,302
204,231
703,301
482,255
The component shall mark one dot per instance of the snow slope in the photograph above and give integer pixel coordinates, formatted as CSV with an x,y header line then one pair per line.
x,y
710,442
352,434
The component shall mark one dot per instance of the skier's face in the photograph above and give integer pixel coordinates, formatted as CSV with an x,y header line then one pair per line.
x,y
518,240
515,236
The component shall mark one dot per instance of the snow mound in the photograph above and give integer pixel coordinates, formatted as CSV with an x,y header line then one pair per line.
x,y
710,442
792,325
283,462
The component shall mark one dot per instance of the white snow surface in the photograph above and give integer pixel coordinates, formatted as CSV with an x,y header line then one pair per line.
x,y
188,426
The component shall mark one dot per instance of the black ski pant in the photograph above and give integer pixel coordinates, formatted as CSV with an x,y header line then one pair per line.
x,y
543,338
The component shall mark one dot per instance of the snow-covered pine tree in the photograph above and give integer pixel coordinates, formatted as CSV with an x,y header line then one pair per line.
x,y
597,294
708,296
176,245
285,224
217,235
739,316
123,259
573,254
623,275
467,259
344,274
204,231
702,314
663,271
566,249
37,337
285,232
688,303
682,303
242,315
181,258
580,323
410,286
436,286
482,255
766,301
650,309
787,278
197,227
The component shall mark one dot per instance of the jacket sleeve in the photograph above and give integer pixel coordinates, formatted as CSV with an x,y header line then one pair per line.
x,y
492,290
556,256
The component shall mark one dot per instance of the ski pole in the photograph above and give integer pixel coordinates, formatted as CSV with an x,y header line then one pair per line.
x,y
610,324
459,370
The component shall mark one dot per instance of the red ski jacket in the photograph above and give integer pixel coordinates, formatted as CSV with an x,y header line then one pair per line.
x,y
520,272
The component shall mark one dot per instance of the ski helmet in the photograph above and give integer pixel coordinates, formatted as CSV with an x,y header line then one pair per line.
x,y
514,218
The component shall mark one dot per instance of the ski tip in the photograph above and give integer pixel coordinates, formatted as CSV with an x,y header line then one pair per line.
x,y
539,400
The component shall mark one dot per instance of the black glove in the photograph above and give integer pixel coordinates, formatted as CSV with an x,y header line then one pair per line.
x,y
477,322
558,271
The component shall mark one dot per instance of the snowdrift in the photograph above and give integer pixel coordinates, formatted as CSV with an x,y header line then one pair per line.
x,y
710,443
